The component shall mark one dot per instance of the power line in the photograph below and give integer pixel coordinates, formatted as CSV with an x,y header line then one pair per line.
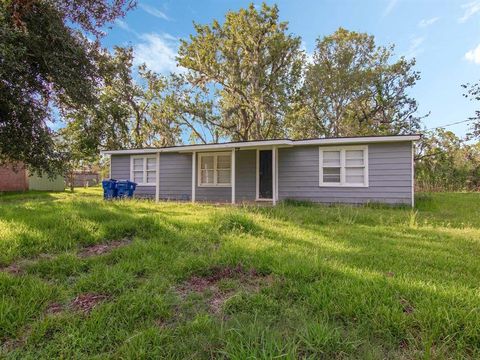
x,y
455,123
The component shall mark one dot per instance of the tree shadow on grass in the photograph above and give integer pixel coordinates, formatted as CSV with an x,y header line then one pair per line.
x,y
397,311
22,197
417,253
377,290
161,247
53,227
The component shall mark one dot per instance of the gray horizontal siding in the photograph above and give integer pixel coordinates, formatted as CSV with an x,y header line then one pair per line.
x,y
145,192
389,176
175,176
120,167
217,194
245,175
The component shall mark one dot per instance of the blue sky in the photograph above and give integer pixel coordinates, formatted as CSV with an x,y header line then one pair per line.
x,y
444,37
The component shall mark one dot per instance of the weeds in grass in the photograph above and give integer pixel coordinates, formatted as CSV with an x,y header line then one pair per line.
x,y
329,281
297,203
235,223
412,219
346,215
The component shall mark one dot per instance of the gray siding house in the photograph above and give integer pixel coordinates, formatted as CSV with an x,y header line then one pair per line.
x,y
355,170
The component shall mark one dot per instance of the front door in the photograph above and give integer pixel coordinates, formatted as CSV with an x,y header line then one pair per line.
x,y
265,185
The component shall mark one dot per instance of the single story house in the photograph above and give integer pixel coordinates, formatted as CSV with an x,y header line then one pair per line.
x,y
369,169
17,178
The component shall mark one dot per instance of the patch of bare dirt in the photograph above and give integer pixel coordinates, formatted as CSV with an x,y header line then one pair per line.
x,y
86,302
407,307
12,344
216,302
19,267
54,308
246,279
13,269
100,249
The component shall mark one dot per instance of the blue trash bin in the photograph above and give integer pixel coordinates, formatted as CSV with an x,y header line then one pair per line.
x,y
131,188
109,189
125,188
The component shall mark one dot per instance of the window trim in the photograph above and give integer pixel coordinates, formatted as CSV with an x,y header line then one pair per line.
x,y
144,181
343,150
215,169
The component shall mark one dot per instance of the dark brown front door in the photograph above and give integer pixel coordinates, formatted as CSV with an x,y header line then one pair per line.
x,y
265,186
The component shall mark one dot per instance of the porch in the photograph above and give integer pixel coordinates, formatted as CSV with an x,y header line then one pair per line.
x,y
236,175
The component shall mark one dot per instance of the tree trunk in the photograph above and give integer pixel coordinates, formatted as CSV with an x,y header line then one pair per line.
x,y
71,180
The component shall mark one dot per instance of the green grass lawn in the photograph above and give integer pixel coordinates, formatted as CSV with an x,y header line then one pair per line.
x,y
201,281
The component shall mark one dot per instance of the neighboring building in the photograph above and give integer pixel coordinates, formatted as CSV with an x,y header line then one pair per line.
x,y
13,178
371,169
85,178
17,178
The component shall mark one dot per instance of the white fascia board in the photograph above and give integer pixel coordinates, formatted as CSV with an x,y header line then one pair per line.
x,y
239,145
130,152
267,143
357,140
207,147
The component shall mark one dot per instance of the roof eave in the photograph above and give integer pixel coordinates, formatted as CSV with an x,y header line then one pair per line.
x,y
268,143
359,140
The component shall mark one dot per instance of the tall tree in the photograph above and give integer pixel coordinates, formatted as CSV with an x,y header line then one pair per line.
x,y
46,59
473,93
129,113
352,87
445,162
251,67
193,109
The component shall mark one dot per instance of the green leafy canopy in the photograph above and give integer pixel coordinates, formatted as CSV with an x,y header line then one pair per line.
x,y
352,87
46,60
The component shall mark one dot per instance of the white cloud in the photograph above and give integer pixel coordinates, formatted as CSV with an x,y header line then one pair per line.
x,y
415,47
123,25
157,52
391,4
427,22
154,11
170,37
473,55
471,9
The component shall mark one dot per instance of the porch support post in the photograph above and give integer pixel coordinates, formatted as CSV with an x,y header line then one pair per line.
x,y
413,174
157,180
232,174
194,161
276,173
274,177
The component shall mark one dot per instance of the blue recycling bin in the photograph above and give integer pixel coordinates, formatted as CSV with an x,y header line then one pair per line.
x,y
109,189
125,188
132,188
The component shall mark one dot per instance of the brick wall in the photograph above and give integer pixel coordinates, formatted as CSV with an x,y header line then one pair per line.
x,y
11,180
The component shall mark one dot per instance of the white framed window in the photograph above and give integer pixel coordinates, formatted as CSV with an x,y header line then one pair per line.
x,y
143,169
215,169
344,166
